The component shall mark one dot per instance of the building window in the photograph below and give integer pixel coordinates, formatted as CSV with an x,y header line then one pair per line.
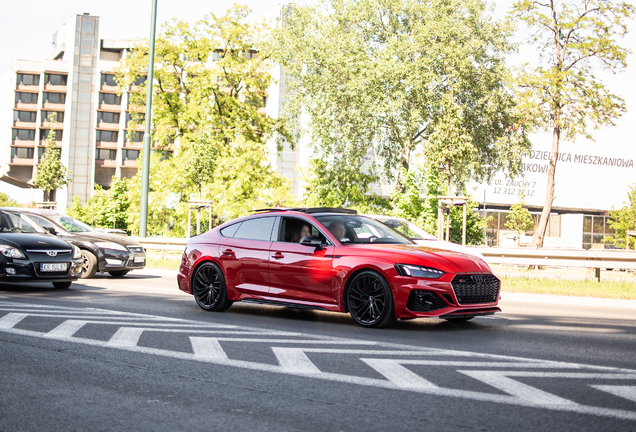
x,y
105,154
55,98
141,80
28,79
26,98
24,116
44,134
22,152
56,79
41,151
595,228
137,117
56,116
130,154
109,80
106,136
109,99
135,136
108,117
23,134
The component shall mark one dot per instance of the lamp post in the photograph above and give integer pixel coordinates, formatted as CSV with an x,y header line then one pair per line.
x,y
145,163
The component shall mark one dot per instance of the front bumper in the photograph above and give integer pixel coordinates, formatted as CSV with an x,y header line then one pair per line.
x,y
449,297
25,271
115,260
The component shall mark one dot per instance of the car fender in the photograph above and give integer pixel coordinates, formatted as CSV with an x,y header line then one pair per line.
x,y
193,256
345,268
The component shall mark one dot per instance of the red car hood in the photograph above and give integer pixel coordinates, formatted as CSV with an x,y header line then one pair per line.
x,y
441,259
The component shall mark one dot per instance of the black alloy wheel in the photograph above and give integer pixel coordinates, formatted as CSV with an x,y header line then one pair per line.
x,y
208,287
370,300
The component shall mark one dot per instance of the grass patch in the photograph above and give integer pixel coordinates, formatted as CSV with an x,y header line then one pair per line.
x,y
578,288
166,261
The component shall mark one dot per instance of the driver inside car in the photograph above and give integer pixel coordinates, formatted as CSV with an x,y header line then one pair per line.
x,y
337,228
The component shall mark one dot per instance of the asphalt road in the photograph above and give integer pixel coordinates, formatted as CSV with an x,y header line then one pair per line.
x,y
137,354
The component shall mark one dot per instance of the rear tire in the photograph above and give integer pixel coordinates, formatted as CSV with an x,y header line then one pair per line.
x,y
208,287
118,274
89,265
370,300
62,285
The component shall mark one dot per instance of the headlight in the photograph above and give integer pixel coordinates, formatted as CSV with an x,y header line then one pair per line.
x,y
77,252
111,245
418,271
11,252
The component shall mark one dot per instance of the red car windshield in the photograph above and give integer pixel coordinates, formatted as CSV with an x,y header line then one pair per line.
x,y
359,229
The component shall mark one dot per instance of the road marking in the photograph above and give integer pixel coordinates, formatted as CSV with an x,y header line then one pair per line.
x,y
125,337
565,328
207,349
627,392
66,330
397,364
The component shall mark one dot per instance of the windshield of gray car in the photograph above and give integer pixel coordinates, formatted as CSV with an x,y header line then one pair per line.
x,y
350,229
71,224
16,222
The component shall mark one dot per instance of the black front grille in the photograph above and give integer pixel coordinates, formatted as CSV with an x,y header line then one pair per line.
x,y
474,289
424,301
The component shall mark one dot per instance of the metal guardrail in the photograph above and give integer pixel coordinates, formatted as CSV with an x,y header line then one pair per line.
x,y
608,258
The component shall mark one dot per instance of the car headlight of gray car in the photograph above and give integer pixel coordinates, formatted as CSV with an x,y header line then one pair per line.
x,y
111,245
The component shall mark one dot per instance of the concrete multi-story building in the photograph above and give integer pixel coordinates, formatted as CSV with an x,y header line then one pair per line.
x,y
76,94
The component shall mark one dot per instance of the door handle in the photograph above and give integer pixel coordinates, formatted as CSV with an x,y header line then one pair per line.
x,y
278,255
228,252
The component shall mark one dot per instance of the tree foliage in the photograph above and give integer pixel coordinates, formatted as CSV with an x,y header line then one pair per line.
x,y
623,220
379,79
206,75
562,92
106,208
519,218
51,174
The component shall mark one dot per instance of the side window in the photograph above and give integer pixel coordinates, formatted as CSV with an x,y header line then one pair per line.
x,y
292,230
41,221
229,231
256,229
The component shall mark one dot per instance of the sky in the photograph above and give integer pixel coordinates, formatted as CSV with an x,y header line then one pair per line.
x,y
27,36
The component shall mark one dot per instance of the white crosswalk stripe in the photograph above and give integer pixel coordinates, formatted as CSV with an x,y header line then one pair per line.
x,y
397,367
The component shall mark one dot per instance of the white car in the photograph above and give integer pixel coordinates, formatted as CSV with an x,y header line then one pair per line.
x,y
421,237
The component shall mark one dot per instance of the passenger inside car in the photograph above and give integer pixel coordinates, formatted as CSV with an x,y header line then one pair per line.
x,y
302,231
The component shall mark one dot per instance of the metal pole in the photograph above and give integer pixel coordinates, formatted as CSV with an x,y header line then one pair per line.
x,y
464,227
145,164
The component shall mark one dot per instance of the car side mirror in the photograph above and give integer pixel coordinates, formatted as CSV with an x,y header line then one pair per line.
x,y
51,230
313,241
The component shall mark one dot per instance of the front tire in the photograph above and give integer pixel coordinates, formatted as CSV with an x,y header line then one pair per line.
x,y
370,300
89,265
119,273
62,285
208,287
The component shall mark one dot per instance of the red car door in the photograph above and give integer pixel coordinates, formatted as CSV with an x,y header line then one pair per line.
x,y
244,256
298,272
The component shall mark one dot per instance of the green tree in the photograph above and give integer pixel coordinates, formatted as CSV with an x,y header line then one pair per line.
x,y
623,220
106,208
210,74
562,93
419,202
5,201
51,174
519,218
379,79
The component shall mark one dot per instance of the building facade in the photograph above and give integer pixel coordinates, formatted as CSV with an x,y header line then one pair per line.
x,y
75,94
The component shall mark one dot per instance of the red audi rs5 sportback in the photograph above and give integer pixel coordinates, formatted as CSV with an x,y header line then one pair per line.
x,y
336,260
